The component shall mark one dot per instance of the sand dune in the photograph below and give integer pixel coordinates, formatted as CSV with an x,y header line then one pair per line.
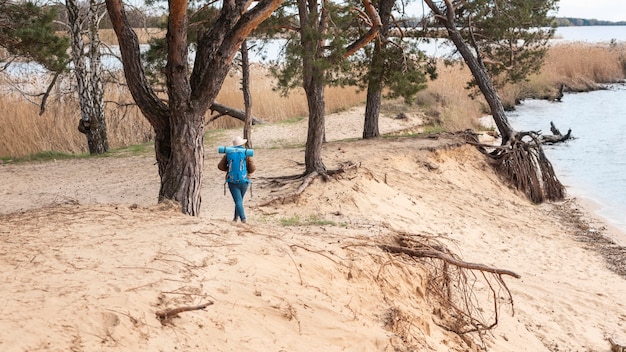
x,y
88,258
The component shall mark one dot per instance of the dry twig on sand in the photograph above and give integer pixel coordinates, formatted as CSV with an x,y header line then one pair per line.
x,y
165,315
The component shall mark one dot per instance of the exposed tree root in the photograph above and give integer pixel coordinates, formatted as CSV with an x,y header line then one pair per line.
x,y
522,162
306,181
454,283
446,257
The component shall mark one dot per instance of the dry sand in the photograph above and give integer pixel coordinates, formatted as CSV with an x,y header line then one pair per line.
x,y
87,258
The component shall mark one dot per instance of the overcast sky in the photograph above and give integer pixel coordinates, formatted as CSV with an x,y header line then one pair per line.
x,y
610,10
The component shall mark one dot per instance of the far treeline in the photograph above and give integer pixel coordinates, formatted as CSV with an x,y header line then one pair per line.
x,y
328,43
571,22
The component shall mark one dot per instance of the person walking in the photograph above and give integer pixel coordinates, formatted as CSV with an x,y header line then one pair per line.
x,y
237,166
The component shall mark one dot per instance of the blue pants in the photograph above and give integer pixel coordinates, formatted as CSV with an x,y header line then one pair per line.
x,y
238,191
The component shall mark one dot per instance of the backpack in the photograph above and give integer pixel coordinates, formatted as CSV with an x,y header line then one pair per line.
x,y
237,168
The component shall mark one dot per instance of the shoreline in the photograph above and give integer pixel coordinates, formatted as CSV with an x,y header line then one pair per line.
x,y
597,210
593,231
594,209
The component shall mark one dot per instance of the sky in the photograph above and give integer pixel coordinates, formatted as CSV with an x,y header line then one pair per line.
x,y
609,10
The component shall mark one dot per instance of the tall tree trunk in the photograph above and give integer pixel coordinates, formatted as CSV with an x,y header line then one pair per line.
x,y
523,163
247,97
313,23
98,139
89,82
181,179
316,129
477,68
376,73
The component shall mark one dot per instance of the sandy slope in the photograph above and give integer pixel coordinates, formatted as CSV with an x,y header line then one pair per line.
x,y
87,258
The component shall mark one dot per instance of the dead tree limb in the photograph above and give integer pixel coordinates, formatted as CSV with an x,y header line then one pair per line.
x,y
432,253
225,110
167,314
556,136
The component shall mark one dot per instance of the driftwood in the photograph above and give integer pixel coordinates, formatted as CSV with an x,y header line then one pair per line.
x,y
165,315
556,136
224,110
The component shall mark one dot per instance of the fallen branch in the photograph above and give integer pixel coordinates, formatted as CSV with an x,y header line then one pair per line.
x,y
431,253
224,110
556,136
165,315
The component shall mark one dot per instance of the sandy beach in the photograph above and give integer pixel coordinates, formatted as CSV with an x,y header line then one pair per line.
x,y
90,262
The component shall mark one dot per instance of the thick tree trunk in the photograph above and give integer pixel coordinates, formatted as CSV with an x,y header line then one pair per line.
x,y
179,124
376,73
181,178
316,129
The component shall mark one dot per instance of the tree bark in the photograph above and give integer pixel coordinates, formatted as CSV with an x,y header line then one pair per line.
x,y
247,96
316,129
376,73
182,178
89,81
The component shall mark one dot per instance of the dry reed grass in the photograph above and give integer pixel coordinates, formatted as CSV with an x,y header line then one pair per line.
x,y
445,102
579,67
108,36
270,106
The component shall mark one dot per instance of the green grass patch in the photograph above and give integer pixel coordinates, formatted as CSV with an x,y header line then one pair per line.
x,y
46,156
312,220
131,150
292,120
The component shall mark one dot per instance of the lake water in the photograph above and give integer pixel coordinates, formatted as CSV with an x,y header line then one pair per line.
x,y
593,165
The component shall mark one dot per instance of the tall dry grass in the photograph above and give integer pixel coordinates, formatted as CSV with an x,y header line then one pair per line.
x,y
23,132
579,67
445,103
270,106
